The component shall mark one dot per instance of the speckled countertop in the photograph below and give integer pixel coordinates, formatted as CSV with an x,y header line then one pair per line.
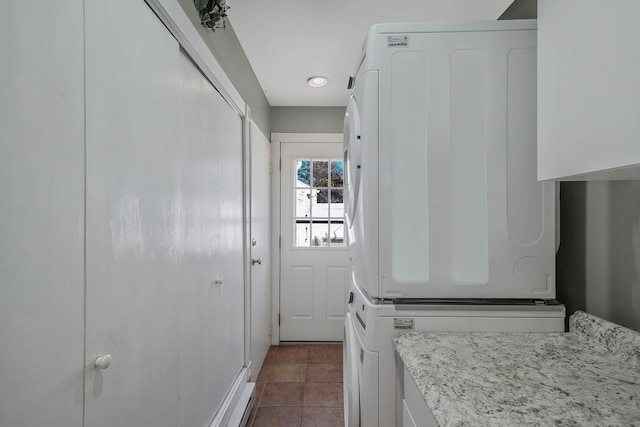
x,y
589,376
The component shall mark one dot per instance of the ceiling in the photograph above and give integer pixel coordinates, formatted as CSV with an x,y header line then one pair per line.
x,y
287,41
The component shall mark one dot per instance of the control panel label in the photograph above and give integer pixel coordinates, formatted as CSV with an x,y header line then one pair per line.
x,y
403,323
397,41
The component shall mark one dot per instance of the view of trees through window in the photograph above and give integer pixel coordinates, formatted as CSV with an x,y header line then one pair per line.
x,y
319,209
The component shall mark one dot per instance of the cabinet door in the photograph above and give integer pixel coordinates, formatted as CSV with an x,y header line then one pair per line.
x,y
414,405
42,213
588,92
136,215
407,416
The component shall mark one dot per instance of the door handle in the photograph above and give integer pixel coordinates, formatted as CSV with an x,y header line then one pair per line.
x,y
255,261
102,361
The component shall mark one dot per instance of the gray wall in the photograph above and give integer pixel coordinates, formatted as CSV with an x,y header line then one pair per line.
x,y
521,9
307,119
598,264
229,53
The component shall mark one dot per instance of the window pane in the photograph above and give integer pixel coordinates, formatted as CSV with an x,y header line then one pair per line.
x,y
337,207
302,234
322,196
320,173
319,205
319,234
336,231
303,173
337,174
337,196
303,203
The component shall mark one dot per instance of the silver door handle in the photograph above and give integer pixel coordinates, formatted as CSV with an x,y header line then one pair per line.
x,y
255,261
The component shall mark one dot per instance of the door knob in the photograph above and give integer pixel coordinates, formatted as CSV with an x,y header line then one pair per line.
x,y
255,261
102,361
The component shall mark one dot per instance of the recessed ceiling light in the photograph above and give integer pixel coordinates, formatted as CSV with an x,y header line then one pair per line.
x,y
317,81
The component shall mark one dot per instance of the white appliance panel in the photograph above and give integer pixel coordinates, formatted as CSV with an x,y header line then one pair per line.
x,y
408,211
468,174
361,156
361,380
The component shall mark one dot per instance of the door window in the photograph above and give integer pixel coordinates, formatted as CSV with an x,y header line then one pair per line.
x,y
319,209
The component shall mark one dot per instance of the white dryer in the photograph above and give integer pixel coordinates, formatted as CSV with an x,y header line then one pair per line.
x,y
440,152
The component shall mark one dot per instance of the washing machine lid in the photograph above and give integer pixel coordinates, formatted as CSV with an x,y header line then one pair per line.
x,y
351,386
352,157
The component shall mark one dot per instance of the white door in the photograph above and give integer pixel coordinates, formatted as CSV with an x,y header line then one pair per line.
x,y
314,266
260,248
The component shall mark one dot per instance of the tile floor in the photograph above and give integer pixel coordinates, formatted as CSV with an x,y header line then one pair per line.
x,y
300,386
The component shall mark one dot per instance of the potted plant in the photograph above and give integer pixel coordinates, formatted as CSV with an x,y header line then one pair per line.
x,y
212,13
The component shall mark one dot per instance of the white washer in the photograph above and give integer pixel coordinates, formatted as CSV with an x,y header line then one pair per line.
x,y
372,385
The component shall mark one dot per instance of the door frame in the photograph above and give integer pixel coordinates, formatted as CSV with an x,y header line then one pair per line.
x,y
277,139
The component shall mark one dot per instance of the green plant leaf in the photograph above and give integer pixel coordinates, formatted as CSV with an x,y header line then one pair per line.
x,y
212,13
200,4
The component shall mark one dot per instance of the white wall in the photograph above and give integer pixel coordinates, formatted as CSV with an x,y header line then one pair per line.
x,y
41,214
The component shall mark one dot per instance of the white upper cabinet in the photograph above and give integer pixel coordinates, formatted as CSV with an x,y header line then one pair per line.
x,y
588,89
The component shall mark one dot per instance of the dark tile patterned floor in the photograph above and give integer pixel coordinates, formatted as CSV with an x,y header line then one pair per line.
x,y
300,386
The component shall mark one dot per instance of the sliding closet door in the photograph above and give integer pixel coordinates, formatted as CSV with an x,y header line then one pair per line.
x,y
224,319
198,284
136,214
165,276
211,316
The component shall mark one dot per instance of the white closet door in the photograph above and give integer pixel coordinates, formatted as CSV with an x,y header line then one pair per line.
x,y
211,317
42,213
228,313
200,116
165,276
137,241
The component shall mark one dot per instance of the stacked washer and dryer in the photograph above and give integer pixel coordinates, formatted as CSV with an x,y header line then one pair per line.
x,y
449,229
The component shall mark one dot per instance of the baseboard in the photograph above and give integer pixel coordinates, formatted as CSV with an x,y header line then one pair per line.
x,y
229,403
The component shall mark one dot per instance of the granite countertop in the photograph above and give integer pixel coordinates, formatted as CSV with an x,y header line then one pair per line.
x,y
588,376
